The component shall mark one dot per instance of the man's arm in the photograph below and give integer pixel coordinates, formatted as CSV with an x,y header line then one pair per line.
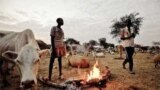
x,y
131,36
53,46
52,34
122,34
52,42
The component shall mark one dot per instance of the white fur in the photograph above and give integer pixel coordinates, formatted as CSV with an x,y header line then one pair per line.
x,y
27,60
25,45
99,54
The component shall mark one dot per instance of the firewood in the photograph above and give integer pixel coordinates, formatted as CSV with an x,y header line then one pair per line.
x,y
52,84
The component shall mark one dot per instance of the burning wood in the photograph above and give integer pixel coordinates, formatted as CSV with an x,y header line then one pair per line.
x,y
95,78
94,74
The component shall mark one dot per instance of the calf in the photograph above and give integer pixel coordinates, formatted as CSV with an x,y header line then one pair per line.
x,y
76,61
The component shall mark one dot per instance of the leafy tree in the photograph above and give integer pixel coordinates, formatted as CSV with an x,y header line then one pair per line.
x,y
102,41
110,45
72,41
92,42
136,22
156,43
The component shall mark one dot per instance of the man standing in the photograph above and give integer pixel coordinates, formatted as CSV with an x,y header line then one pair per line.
x,y
127,37
58,47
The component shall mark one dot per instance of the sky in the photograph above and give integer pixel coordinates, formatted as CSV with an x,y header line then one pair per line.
x,y
84,20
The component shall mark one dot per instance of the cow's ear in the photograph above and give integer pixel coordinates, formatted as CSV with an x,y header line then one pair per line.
x,y
43,53
10,55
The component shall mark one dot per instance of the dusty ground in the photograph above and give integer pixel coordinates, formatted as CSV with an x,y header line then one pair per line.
x,y
146,78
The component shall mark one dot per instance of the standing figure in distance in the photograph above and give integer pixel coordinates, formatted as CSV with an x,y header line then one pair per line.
x,y
127,37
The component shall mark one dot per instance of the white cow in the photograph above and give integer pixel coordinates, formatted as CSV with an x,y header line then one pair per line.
x,y
22,49
98,54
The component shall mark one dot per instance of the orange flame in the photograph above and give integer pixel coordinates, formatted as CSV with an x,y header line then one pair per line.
x,y
94,73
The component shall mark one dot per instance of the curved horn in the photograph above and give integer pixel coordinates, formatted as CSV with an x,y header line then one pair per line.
x,y
10,56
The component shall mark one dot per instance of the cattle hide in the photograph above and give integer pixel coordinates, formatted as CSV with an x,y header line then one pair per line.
x,y
22,49
16,40
78,61
4,33
156,59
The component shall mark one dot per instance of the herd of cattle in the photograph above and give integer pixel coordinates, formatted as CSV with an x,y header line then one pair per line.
x,y
99,51
21,50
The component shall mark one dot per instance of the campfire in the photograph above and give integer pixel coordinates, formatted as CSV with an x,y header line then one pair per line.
x,y
94,78
94,73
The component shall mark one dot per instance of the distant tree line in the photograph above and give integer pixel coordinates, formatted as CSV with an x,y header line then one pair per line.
x,y
102,42
72,41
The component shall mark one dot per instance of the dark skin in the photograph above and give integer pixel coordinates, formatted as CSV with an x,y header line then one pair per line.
x,y
129,49
59,24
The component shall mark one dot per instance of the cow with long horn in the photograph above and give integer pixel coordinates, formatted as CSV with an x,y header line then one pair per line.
x,y
22,50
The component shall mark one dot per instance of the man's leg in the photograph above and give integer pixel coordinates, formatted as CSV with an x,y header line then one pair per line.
x,y
126,60
130,56
51,66
60,65
124,63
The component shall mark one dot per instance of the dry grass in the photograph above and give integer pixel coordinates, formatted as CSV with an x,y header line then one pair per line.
x,y
146,78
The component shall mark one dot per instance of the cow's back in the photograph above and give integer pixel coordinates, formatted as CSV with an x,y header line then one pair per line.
x,y
25,37
7,43
16,40
4,33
